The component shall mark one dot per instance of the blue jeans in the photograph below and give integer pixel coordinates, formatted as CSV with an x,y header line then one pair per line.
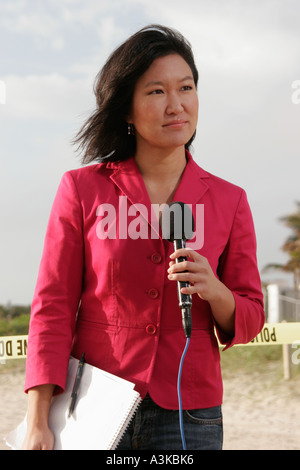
x,y
155,428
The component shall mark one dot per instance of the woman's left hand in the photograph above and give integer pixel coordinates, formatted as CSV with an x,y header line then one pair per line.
x,y
204,282
198,273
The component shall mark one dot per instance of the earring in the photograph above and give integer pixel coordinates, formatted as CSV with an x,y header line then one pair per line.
x,y
130,129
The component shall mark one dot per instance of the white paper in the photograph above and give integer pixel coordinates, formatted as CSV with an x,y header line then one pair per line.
x,y
104,407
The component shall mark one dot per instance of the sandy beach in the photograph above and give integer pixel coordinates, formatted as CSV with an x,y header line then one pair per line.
x,y
261,411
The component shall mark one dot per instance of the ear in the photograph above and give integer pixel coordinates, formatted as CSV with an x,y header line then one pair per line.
x,y
129,116
129,119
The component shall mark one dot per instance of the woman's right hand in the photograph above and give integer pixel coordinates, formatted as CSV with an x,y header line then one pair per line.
x,y
39,436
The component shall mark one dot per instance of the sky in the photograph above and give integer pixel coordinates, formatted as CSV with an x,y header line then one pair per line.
x,y
248,56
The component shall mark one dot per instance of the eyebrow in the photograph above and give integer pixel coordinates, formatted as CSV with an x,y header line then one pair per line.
x,y
154,82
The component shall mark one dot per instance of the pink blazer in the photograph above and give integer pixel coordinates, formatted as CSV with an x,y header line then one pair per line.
x,y
111,298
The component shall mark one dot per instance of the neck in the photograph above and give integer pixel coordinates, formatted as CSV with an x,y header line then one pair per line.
x,y
161,166
161,173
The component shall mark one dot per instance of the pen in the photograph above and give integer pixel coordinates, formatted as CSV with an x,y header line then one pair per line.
x,y
76,385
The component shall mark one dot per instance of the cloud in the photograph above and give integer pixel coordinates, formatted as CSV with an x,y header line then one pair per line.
x,y
47,97
49,24
85,13
39,25
250,37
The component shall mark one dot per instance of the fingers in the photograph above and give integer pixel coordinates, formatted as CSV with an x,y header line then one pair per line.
x,y
187,252
197,273
184,277
183,266
184,270
193,266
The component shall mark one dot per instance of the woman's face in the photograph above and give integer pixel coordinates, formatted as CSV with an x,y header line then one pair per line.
x,y
164,110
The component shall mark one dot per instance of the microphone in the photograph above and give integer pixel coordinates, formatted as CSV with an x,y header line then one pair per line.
x,y
177,227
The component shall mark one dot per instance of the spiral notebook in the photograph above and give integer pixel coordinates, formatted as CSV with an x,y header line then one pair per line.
x,y
104,408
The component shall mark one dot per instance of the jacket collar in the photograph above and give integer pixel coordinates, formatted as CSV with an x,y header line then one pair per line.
x,y
126,175
193,184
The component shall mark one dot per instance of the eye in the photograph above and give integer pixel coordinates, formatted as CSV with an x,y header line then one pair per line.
x,y
187,88
156,92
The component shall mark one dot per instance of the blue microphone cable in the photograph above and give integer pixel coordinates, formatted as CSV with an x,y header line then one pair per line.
x,y
179,393
178,227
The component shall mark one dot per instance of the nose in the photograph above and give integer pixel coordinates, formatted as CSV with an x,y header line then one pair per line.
x,y
174,105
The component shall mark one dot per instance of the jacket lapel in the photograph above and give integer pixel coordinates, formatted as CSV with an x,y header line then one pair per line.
x,y
130,182
128,179
193,184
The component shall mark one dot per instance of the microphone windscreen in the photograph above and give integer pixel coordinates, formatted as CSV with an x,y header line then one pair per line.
x,y
177,222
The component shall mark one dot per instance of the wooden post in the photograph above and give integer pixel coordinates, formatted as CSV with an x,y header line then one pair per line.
x,y
286,354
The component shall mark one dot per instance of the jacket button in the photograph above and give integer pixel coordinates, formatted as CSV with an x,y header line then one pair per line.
x,y
156,258
153,293
151,329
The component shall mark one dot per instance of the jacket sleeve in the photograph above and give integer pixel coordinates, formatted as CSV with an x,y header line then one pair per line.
x,y
57,293
238,271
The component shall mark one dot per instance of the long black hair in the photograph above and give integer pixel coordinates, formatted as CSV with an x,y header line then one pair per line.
x,y
104,136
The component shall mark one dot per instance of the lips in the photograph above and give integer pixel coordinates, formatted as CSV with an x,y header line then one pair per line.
x,y
178,123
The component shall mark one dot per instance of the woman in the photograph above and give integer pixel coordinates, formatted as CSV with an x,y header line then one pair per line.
x,y
108,287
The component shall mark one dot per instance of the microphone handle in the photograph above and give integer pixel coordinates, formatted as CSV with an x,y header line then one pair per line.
x,y
185,300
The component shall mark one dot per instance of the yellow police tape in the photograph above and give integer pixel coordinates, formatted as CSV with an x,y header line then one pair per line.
x,y
15,347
